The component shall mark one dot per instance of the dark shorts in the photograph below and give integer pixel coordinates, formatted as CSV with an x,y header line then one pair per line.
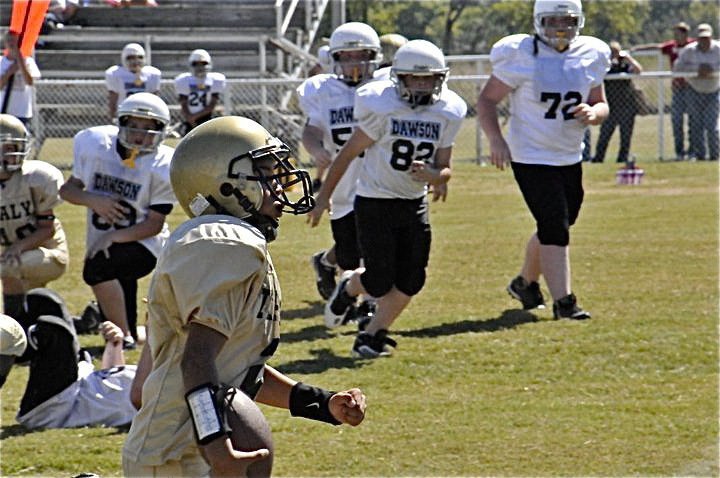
x,y
347,248
394,236
127,261
554,195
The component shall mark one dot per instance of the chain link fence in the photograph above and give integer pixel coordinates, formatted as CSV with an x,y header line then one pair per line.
x,y
64,107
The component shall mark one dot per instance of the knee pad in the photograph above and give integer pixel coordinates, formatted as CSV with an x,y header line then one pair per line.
x,y
376,285
553,234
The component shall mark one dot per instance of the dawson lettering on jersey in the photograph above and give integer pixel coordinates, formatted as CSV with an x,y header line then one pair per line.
x,y
342,115
415,129
111,184
15,211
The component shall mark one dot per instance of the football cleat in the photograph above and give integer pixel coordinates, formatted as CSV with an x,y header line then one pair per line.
x,y
324,276
365,313
567,308
526,292
370,346
338,303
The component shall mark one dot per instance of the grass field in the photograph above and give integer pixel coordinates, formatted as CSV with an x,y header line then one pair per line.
x,y
478,387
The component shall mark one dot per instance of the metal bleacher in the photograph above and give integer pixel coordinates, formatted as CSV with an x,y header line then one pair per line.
x,y
242,36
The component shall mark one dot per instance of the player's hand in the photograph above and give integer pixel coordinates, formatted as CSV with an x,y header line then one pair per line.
x,y
500,153
348,407
11,257
585,114
224,460
102,244
108,209
422,173
439,192
322,158
111,332
321,204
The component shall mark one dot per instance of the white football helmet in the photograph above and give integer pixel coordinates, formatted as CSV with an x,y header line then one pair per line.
x,y
137,53
569,12
350,37
15,143
148,106
419,58
200,62
213,172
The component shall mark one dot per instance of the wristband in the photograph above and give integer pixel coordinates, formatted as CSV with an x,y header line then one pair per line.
x,y
45,217
311,402
207,410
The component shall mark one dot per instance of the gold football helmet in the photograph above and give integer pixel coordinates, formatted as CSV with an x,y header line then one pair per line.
x,y
15,143
213,172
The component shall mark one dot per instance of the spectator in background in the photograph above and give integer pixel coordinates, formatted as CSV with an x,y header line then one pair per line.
x,y
623,103
122,176
199,90
17,76
680,88
59,12
33,250
703,58
131,76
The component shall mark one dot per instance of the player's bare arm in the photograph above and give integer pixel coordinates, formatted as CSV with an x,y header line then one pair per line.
x,y
492,94
74,192
358,142
347,407
151,226
112,104
312,140
595,110
199,370
144,367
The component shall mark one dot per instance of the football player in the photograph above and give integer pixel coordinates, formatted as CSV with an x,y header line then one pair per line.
x,y
121,174
198,90
131,76
406,128
327,101
33,249
214,308
555,81
62,391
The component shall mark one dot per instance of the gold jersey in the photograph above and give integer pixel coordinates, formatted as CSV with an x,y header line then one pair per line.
x,y
216,271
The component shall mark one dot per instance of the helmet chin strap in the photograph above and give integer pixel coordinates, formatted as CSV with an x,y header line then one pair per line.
x,y
267,225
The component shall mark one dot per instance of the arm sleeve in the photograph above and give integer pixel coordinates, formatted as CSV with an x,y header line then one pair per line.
x,y
309,104
78,167
218,86
181,86
215,283
368,118
506,66
46,194
111,80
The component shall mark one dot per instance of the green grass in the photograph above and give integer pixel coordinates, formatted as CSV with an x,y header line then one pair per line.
x,y
477,387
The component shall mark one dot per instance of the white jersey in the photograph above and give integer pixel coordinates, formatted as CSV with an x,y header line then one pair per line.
x,y
217,271
21,102
99,166
545,86
328,104
125,83
199,91
26,193
402,135
96,398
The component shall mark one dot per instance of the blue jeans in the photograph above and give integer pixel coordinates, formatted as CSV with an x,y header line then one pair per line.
x,y
703,114
678,108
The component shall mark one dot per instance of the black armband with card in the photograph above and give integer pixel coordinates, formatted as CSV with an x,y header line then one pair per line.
x,y
207,410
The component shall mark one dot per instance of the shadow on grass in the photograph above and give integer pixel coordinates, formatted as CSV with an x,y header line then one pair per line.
x,y
313,308
308,334
19,430
324,359
508,319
